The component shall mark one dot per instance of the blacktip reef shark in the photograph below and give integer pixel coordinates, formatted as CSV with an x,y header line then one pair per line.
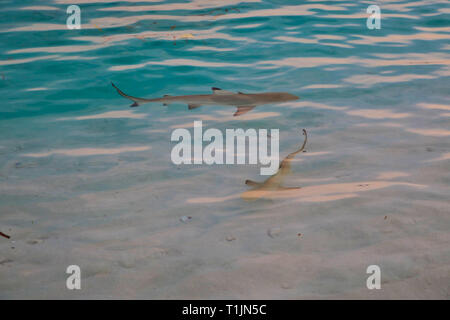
x,y
273,183
244,102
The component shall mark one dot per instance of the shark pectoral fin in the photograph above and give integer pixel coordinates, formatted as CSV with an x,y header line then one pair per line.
x,y
243,109
252,183
193,106
220,91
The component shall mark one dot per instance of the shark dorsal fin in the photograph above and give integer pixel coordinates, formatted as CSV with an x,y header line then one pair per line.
x,y
166,95
220,91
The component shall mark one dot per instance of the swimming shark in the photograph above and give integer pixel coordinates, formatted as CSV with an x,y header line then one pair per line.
x,y
273,183
244,102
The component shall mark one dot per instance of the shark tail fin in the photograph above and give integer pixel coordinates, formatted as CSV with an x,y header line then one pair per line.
x,y
136,101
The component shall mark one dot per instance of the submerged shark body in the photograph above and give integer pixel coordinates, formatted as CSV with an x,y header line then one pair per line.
x,y
274,183
244,102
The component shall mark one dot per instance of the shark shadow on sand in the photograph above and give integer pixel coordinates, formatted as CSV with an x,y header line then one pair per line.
x,y
244,102
274,182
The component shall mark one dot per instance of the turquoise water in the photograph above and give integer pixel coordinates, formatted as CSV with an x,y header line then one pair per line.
x,y
86,180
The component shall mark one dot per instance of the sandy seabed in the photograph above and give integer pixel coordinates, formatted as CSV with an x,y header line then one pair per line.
x,y
123,225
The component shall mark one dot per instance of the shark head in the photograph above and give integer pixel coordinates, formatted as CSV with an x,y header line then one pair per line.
x,y
279,97
284,96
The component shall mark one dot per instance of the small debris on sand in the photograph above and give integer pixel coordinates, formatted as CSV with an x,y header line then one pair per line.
x,y
4,235
230,238
385,217
299,234
35,241
2,262
285,285
19,165
273,232
185,219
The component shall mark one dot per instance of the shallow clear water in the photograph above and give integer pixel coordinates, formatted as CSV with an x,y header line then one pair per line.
x,y
86,180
